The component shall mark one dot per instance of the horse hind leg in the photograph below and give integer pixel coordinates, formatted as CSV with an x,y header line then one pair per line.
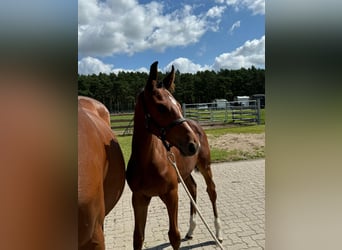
x,y
211,189
192,187
98,239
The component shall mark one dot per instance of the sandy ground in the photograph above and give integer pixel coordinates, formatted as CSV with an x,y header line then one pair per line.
x,y
247,144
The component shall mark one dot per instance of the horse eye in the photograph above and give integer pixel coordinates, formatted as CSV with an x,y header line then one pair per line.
x,y
161,109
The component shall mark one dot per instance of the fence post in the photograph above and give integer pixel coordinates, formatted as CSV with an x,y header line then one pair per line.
x,y
226,112
258,111
184,109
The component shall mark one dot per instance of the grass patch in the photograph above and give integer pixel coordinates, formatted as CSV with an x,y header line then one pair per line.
x,y
120,117
262,116
125,144
219,155
255,129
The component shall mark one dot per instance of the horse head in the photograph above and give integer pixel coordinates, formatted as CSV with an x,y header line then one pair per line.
x,y
163,114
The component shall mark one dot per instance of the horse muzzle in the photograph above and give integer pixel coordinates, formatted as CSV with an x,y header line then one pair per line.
x,y
192,148
189,149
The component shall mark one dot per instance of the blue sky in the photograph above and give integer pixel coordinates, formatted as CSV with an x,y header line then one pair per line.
x,y
192,35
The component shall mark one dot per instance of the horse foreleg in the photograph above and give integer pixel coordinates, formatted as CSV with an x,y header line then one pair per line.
x,y
140,205
208,177
171,201
192,187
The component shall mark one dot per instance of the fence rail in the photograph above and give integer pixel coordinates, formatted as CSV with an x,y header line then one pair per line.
x,y
231,112
122,124
207,114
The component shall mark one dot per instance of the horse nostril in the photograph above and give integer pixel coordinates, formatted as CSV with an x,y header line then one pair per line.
x,y
192,148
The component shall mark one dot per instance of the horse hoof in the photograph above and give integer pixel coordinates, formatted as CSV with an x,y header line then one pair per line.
x,y
188,237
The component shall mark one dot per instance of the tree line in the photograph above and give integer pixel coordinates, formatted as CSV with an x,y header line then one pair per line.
x,y
118,91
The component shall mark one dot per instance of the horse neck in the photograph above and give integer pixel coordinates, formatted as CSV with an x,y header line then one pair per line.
x,y
142,138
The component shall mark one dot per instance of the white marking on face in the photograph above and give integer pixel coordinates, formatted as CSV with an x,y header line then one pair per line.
x,y
174,102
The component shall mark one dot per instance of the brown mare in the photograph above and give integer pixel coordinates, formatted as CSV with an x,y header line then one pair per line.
x,y
101,172
158,125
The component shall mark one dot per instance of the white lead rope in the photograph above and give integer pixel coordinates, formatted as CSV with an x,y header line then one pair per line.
x,y
171,158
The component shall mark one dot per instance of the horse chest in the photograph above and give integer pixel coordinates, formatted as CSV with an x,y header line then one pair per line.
x,y
151,179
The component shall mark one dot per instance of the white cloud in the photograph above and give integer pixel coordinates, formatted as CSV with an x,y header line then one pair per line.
x,y
250,53
125,26
256,6
143,69
89,65
184,65
234,26
216,11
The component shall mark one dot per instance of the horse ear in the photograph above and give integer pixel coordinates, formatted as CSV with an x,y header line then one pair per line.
x,y
152,78
168,81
